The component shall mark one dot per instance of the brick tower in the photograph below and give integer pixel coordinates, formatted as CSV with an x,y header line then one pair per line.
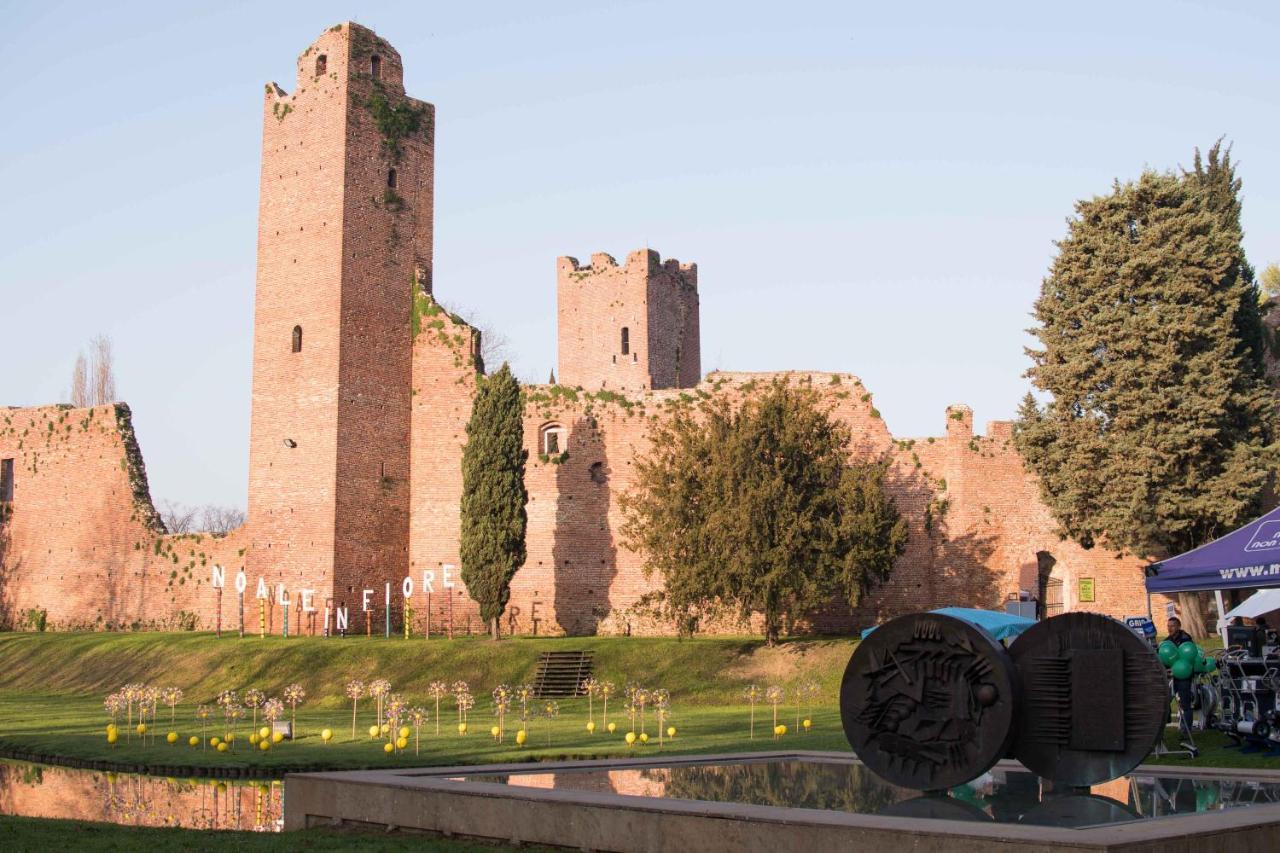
x,y
628,327
344,231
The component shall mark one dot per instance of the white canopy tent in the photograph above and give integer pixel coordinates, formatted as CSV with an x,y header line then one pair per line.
x,y
1262,601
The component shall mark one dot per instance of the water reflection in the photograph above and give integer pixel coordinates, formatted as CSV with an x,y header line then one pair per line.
x,y
36,790
1001,796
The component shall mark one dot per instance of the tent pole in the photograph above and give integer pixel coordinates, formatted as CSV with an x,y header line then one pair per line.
x,y
1222,626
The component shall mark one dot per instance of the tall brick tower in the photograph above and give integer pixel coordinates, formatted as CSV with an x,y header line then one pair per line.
x,y
344,232
628,327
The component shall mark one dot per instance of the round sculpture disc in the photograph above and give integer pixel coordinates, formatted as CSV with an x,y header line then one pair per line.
x,y
1094,699
927,701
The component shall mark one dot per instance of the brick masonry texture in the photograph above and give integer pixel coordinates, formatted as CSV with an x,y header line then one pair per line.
x,y
356,439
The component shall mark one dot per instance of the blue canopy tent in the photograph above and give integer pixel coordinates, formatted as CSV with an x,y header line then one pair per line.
x,y
1002,626
1246,558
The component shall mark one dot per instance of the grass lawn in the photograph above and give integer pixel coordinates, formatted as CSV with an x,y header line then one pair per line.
x,y
21,834
52,687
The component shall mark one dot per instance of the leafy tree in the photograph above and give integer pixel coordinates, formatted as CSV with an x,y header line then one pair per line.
x,y
758,509
1159,434
493,514
1269,279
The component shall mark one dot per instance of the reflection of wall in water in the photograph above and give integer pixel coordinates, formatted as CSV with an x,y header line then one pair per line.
x,y
60,792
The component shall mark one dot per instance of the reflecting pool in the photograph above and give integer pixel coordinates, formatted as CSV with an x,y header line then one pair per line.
x,y
1002,796
38,790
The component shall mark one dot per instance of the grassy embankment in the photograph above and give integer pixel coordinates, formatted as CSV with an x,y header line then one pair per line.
x,y
52,686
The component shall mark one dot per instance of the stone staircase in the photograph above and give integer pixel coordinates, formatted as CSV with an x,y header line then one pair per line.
x,y
560,674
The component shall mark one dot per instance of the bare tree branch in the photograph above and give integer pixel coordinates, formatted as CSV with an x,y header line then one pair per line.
x,y
80,383
103,389
220,520
177,518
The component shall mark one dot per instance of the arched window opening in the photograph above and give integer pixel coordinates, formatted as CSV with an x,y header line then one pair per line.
x,y
322,64
297,339
375,67
554,439
391,178
626,340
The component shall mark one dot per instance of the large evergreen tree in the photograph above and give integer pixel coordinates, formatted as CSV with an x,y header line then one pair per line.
x,y
492,545
758,509
1159,433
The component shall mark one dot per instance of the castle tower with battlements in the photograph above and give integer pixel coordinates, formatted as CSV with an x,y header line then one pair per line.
x,y
631,327
344,233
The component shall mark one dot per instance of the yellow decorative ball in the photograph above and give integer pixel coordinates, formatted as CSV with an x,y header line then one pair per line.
x,y
221,787
253,739
462,728
374,731
808,724
671,731
384,728
264,732
214,741
172,737
644,737
495,731
521,737
402,743
326,735
613,727
264,744
405,731
230,738
142,728
222,747
193,741
388,748
111,727
591,727
112,737
779,730
277,737
631,738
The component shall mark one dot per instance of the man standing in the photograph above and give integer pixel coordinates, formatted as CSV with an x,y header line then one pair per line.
x,y
1181,686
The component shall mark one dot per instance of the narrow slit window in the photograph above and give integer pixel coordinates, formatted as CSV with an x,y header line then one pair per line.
x,y
322,64
6,480
375,67
391,178
626,340
297,339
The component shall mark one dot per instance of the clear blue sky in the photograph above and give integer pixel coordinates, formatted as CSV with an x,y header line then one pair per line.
x,y
872,188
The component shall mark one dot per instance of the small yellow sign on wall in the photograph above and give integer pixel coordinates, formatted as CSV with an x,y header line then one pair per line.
x,y
1086,589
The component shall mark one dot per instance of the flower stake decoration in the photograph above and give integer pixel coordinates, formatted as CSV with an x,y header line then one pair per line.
x,y
812,690
437,690
418,716
501,702
378,689
661,701
550,710
171,696
591,687
355,689
774,696
462,697
272,710
605,689
203,713
641,699
232,713
396,707
523,694
294,694
752,694
253,699
114,704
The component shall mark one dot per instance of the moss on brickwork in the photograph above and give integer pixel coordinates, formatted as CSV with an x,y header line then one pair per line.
x,y
136,470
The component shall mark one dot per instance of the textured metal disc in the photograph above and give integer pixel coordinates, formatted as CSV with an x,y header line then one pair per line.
x,y
1094,699
927,701
1075,811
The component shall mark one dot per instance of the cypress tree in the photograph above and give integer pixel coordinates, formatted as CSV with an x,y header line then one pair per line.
x,y
1159,434
492,545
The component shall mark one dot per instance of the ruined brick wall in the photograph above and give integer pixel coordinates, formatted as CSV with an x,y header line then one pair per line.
x,y
629,327
81,538
339,247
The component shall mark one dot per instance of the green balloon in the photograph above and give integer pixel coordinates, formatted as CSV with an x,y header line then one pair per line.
x,y
1181,668
1210,664
1188,651
1201,664
1167,652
